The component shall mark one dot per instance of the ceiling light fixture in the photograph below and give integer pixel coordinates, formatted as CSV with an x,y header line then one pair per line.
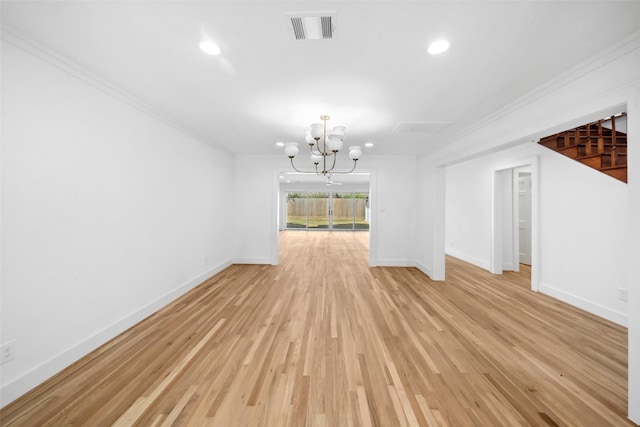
x,y
209,47
324,147
438,47
368,144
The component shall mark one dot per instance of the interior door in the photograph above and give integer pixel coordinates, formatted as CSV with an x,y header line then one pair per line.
x,y
524,216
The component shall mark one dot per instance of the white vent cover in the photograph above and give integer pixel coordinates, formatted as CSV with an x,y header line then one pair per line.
x,y
312,25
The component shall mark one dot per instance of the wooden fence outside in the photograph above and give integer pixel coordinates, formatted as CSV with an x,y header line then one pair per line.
x,y
342,208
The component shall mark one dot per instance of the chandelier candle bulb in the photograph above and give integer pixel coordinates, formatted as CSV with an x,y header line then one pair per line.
x,y
335,142
316,131
340,130
355,152
291,149
310,139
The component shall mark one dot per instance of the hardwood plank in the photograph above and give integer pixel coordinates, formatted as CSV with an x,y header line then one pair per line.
x,y
323,339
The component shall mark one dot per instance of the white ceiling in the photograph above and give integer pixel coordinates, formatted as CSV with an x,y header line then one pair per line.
x,y
375,77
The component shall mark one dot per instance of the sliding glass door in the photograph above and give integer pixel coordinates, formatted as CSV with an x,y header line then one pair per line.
x,y
319,211
297,210
361,212
342,211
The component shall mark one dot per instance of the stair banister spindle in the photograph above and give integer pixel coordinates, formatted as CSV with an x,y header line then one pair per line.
x,y
613,142
600,138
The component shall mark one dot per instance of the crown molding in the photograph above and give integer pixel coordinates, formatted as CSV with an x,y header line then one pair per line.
x,y
65,65
593,63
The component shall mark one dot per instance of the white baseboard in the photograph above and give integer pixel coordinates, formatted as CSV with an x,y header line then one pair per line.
x,y
508,266
395,263
16,388
252,261
593,308
424,268
467,258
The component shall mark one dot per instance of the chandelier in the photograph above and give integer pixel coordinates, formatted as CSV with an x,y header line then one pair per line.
x,y
324,148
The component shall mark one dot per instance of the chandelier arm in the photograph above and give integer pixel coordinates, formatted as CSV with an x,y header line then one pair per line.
x,y
316,152
335,155
324,164
301,171
324,133
346,172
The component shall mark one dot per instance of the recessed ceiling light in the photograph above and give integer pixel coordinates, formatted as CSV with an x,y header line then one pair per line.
x,y
438,47
210,47
368,144
279,144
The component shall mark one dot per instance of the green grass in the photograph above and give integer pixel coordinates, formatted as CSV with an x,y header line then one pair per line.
x,y
320,222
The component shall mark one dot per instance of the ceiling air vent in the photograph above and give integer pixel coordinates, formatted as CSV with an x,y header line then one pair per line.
x,y
312,25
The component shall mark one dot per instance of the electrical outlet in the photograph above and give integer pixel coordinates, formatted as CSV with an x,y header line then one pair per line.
x,y
7,352
623,294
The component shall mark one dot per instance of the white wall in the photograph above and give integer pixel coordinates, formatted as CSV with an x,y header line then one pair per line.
x,y
254,207
583,237
394,206
430,231
633,254
393,202
107,215
591,90
583,226
468,212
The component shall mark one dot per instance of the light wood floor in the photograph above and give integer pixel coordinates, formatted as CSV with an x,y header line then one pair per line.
x,y
322,339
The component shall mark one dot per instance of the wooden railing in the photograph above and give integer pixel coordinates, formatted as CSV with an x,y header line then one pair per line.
x,y
594,145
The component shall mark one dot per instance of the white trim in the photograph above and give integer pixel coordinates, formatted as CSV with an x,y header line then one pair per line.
x,y
633,254
515,212
593,308
495,262
275,211
424,268
508,266
257,260
438,261
396,263
467,258
373,218
618,50
495,228
40,373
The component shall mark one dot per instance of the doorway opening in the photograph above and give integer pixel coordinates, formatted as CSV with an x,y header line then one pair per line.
x,y
306,202
522,214
514,242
